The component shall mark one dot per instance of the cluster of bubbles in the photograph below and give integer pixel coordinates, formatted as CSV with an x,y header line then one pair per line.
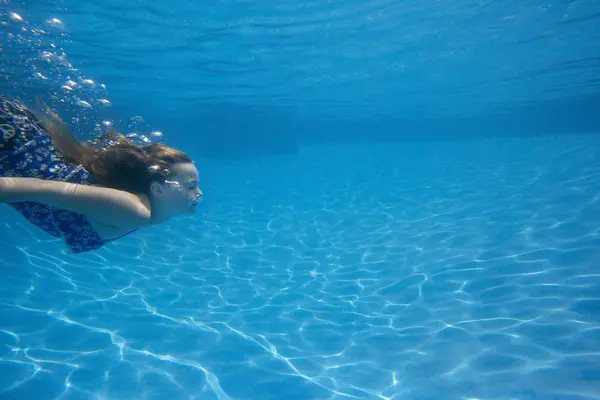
x,y
135,126
35,62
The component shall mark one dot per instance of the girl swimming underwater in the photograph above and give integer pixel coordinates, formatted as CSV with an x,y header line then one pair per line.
x,y
87,195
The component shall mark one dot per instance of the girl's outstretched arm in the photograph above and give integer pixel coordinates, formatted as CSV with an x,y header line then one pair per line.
x,y
109,206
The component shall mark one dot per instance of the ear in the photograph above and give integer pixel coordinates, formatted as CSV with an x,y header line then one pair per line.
x,y
156,189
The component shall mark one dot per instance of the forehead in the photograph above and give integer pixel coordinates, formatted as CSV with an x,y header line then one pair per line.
x,y
185,171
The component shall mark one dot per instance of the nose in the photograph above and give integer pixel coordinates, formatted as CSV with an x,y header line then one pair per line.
x,y
199,194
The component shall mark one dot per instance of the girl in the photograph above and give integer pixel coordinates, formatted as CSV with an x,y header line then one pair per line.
x,y
84,194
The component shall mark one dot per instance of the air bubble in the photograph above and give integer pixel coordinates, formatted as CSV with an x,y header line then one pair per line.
x,y
88,82
55,23
16,17
83,103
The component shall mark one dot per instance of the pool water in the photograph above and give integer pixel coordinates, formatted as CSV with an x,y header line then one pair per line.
x,y
456,270
402,201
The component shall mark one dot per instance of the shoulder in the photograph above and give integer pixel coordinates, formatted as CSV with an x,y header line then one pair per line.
x,y
136,216
132,208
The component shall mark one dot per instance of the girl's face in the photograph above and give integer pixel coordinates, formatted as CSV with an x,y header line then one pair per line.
x,y
180,194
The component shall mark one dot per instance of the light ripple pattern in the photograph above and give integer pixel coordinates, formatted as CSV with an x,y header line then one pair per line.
x,y
464,270
343,59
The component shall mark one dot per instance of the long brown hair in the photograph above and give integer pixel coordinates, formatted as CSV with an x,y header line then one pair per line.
x,y
120,163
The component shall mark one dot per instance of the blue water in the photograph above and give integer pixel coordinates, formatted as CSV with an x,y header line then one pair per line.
x,y
402,202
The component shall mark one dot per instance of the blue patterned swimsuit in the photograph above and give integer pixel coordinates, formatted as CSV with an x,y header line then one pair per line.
x,y
26,150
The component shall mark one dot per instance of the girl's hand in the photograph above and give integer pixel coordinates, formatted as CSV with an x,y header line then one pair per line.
x,y
4,184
